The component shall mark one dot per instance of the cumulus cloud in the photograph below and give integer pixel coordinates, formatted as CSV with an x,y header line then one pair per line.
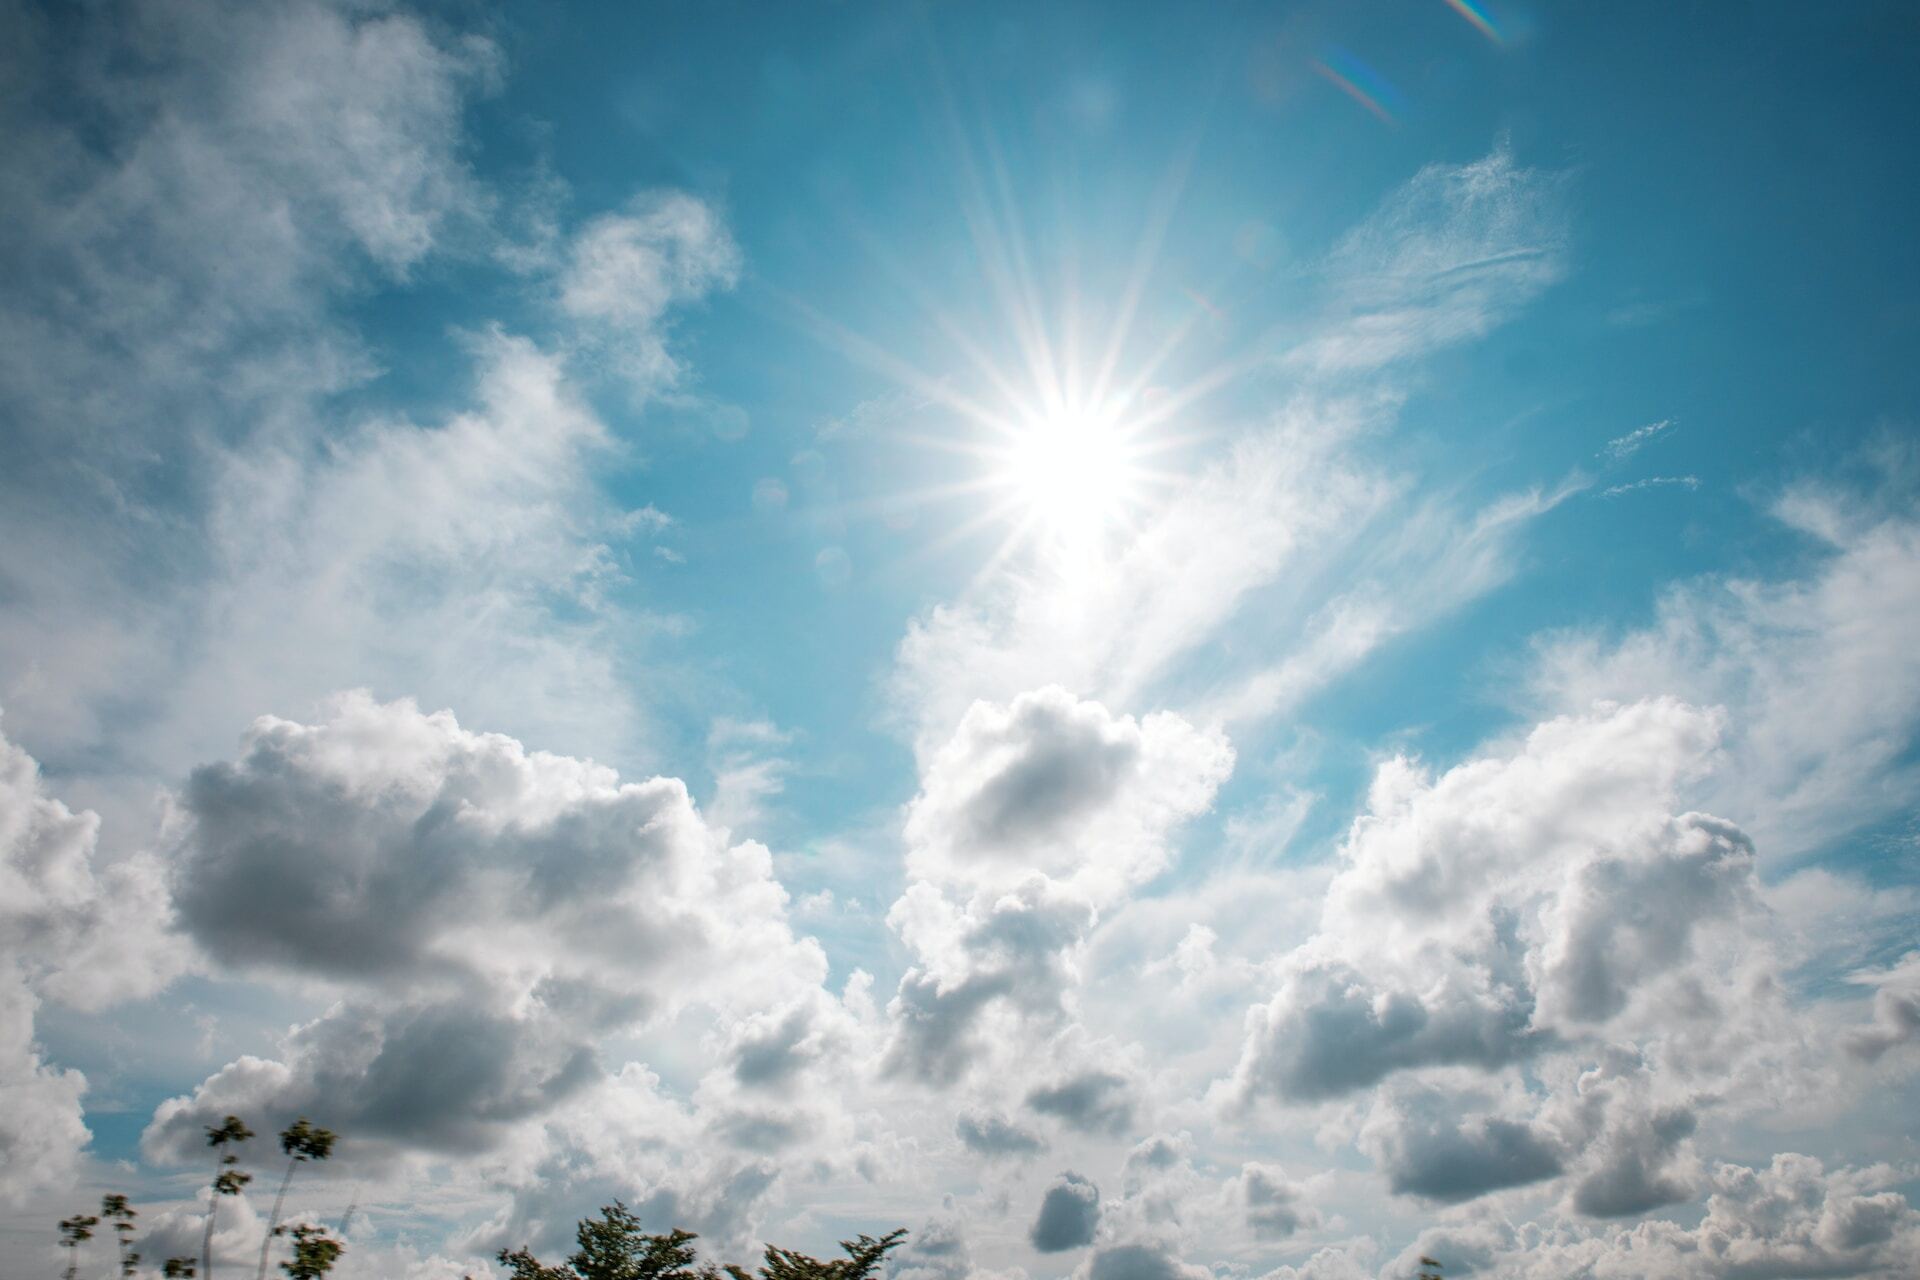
x,y
1819,683
1271,1201
1091,1102
1793,1217
1010,953
1030,819
1896,1009
1147,1261
487,915
995,1136
1506,906
1069,1215
937,1250
1433,1145
1054,784
42,1131
73,931
85,934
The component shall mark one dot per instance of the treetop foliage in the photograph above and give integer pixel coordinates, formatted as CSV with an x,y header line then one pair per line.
x,y
613,1247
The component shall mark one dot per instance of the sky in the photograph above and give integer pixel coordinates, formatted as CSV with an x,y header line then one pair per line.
x,y
1158,642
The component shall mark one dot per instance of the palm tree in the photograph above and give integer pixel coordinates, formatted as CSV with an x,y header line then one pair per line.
x,y
227,1181
302,1142
314,1252
74,1232
116,1210
1429,1269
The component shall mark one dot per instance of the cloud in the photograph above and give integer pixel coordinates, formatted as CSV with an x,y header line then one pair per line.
x,y
1010,952
1091,1102
1271,1201
1138,1262
1450,255
1651,482
85,934
1314,555
1069,1215
220,185
219,179
72,931
1483,916
42,1131
227,171
1434,1146
625,271
993,1136
1620,448
937,1250
1896,1009
1033,816
1061,786
1793,1217
748,770
1820,687
1541,914
488,915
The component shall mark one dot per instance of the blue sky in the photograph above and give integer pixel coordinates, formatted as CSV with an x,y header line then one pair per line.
x,y
1148,639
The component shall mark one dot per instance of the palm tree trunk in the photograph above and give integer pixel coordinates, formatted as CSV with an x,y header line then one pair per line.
x,y
213,1206
267,1242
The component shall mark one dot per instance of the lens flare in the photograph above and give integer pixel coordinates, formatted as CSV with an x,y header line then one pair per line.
x,y
1361,83
1478,17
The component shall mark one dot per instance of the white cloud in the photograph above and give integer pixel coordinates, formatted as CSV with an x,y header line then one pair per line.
x,y
221,176
1453,253
1532,970
1062,787
73,931
626,270
1620,448
1896,1008
42,1131
1482,916
1032,818
227,180
488,918
1651,482
1793,1217
484,534
1817,674
1272,1202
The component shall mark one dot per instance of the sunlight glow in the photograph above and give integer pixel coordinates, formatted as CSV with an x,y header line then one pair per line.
x,y
1072,471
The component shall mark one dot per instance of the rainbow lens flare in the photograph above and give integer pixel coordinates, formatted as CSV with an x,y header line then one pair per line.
x,y
1361,83
1478,17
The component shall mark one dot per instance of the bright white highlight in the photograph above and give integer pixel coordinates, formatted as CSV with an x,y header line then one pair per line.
x,y
1073,472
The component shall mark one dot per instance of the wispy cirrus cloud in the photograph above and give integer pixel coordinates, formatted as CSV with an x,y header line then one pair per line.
x,y
1620,448
1651,482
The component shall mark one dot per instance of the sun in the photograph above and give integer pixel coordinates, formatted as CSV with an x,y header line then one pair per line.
x,y
1073,472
